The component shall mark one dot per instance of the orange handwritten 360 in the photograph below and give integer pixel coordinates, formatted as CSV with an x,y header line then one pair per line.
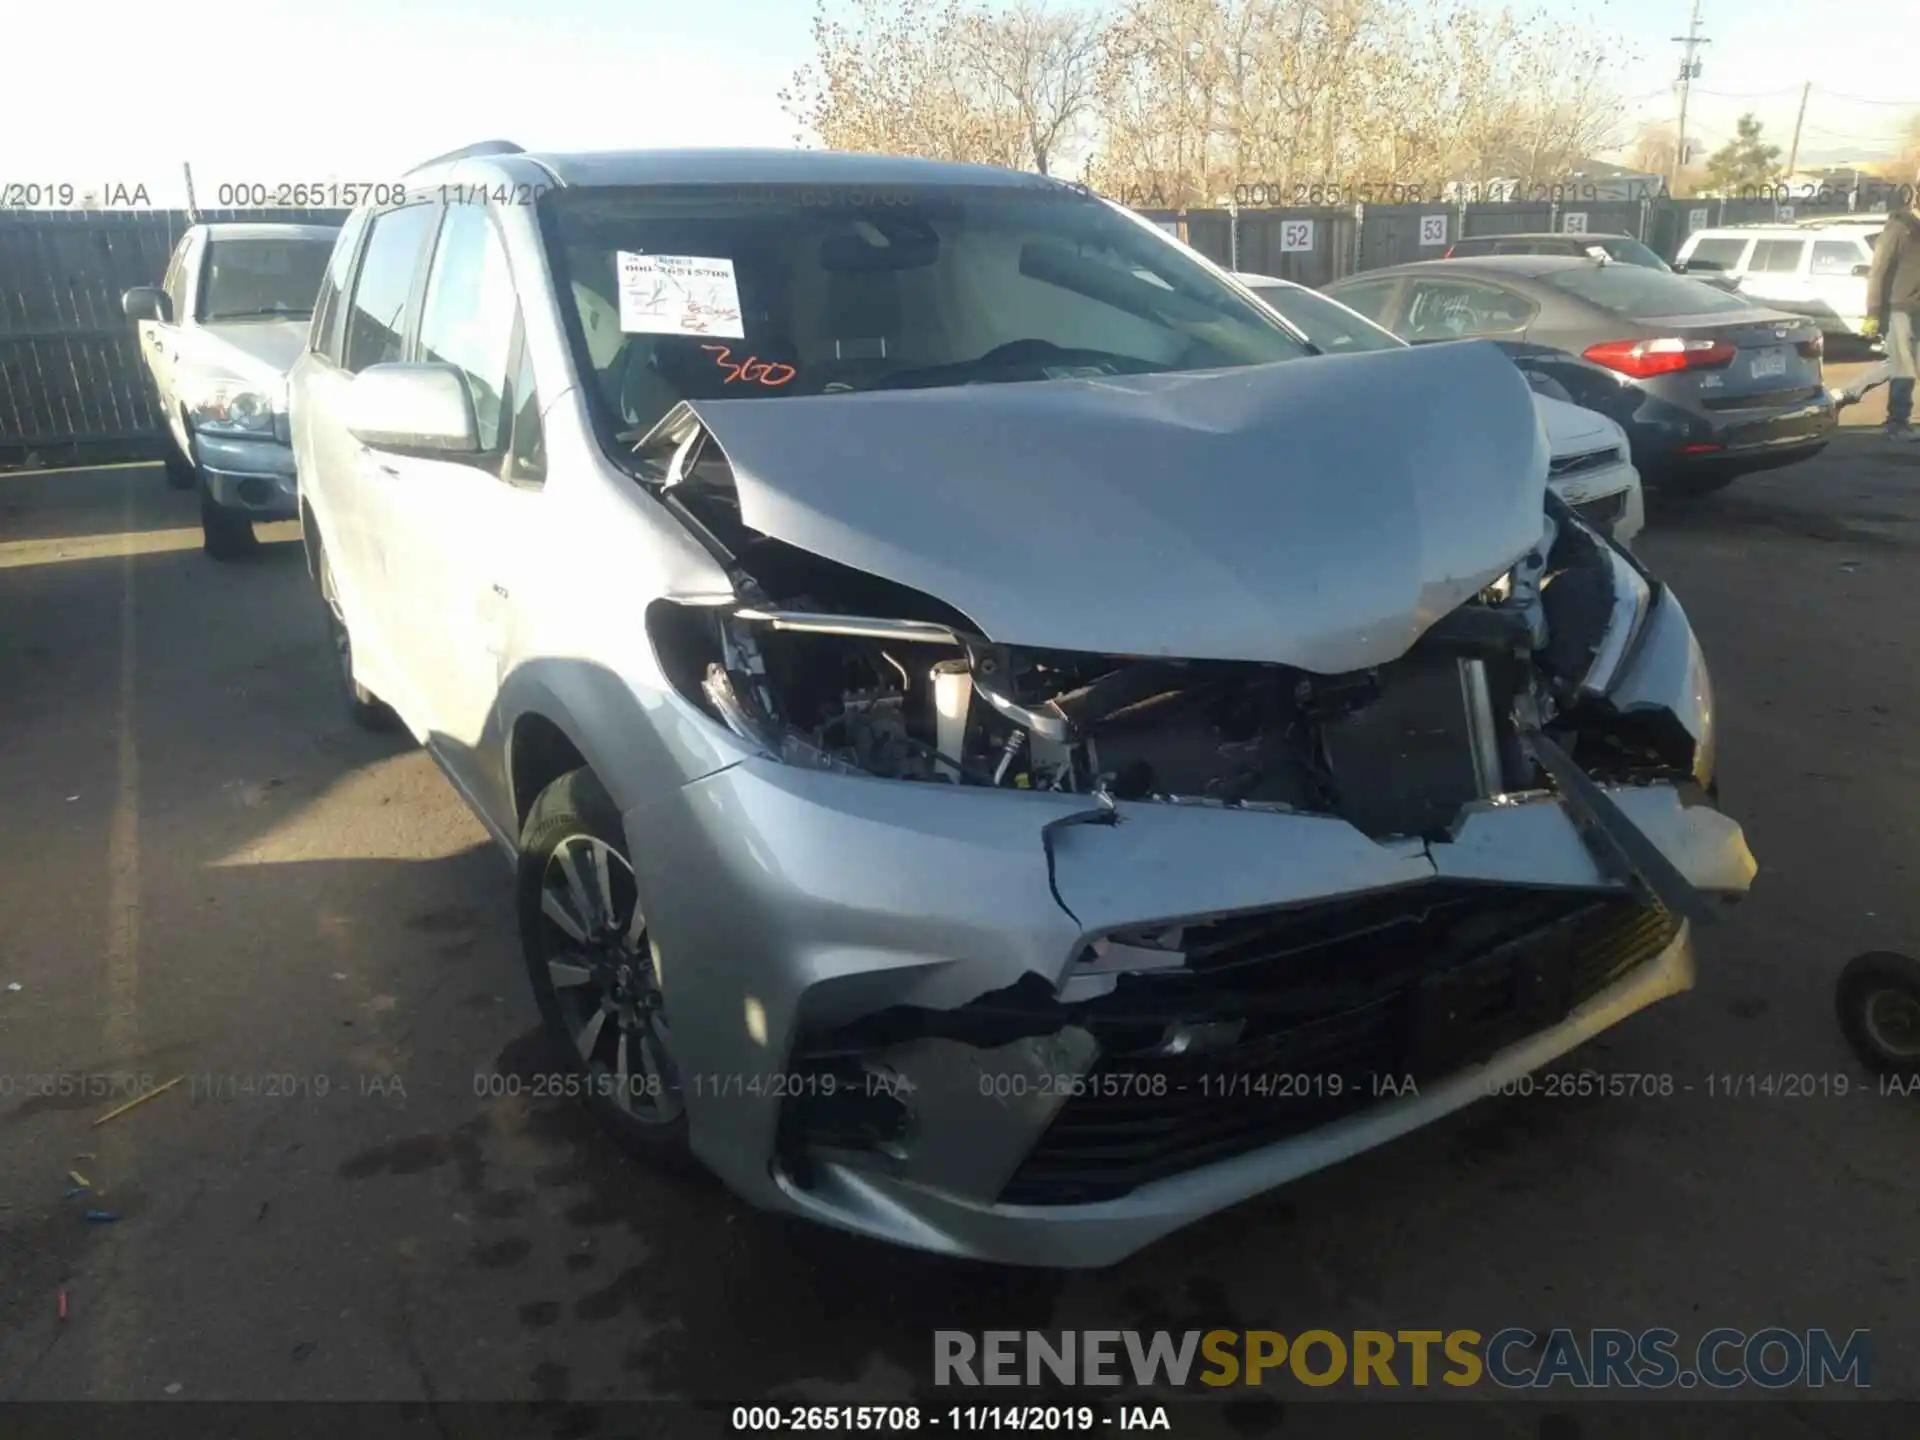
x,y
752,370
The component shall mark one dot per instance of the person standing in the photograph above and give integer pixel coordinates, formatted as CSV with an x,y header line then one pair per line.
x,y
1893,310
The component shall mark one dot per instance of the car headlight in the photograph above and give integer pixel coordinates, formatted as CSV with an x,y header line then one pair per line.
x,y
230,405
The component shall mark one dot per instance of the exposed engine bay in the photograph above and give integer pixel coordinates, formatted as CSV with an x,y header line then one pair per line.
x,y
832,667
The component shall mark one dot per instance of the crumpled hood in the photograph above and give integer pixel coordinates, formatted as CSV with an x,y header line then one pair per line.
x,y
1320,514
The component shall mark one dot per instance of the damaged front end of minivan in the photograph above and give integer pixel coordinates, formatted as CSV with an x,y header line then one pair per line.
x,y
1307,812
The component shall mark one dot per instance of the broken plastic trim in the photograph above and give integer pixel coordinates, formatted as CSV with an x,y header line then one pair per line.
x,y
861,627
1632,598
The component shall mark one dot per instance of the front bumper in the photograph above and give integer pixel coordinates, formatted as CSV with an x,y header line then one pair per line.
x,y
789,904
253,476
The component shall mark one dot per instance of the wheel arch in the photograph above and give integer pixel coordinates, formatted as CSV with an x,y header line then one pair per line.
x,y
540,750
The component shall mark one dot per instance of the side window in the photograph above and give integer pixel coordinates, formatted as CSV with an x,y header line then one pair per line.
x,y
1457,309
324,338
376,320
1370,298
1720,253
527,450
470,312
1776,257
1838,257
184,264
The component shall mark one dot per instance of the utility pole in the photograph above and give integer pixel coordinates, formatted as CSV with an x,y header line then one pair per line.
x,y
193,208
1689,68
1793,154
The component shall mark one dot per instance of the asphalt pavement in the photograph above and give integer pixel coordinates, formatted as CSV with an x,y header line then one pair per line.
x,y
206,872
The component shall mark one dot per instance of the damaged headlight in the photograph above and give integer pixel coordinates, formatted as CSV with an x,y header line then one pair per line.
x,y
229,405
1632,597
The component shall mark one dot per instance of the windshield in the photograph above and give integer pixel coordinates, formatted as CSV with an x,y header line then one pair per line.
x,y
1329,325
702,293
1639,293
1628,251
250,278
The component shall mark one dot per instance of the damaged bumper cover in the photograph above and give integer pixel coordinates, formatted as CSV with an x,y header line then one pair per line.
x,y
971,1138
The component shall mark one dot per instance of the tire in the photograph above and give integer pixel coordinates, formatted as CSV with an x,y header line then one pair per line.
x,y
182,474
225,534
364,708
1878,1005
608,974
1693,487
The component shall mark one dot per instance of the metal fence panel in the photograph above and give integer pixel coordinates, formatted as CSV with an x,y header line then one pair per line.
x,y
70,371
1309,246
1397,234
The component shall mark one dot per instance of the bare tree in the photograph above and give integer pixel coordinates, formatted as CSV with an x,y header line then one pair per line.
x,y
1038,65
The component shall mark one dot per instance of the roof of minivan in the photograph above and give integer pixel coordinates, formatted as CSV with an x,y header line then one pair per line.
x,y
720,166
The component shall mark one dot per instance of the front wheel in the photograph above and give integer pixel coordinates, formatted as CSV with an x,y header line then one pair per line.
x,y
225,534
1878,1005
595,970
181,474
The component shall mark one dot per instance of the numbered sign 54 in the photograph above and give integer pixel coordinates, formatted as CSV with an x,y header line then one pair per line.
x,y
1433,229
1575,223
1295,235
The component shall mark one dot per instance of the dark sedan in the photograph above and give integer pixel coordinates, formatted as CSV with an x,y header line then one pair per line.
x,y
1707,385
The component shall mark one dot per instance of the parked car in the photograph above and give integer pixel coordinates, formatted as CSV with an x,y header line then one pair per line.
x,y
1708,385
973,722
1623,248
1818,270
1589,466
217,335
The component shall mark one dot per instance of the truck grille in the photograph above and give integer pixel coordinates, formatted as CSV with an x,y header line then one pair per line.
x,y
1417,983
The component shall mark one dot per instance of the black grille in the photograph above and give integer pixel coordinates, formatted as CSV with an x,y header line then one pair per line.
x,y
1416,983
1580,464
1603,511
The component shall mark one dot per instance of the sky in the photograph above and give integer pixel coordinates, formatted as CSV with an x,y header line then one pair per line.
x,y
280,91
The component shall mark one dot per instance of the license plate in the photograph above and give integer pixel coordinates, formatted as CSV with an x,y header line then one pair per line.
x,y
1769,362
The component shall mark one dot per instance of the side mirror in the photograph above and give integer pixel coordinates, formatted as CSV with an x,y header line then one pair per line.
x,y
413,410
147,302
1861,272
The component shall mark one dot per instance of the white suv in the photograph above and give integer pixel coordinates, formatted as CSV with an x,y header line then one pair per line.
x,y
1817,269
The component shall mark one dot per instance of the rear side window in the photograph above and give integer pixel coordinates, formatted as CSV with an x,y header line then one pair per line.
x,y
1635,292
1457,309
1776,257
470,313
324,338
1838,257
377,318
1721,253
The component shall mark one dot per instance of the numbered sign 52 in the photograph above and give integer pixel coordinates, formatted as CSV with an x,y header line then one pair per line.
x,y
1433,229
1295,235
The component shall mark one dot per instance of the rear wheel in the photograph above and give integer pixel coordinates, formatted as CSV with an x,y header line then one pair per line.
x,y
364,707
594,968
225,534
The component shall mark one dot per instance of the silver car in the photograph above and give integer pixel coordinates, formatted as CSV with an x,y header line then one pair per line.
x,y
217,335
993,755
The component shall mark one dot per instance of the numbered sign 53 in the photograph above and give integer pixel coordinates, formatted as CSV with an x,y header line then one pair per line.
x,y
1295,235
1433,229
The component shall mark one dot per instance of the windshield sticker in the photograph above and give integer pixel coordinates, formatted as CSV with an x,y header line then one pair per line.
x,y
678,295
752,370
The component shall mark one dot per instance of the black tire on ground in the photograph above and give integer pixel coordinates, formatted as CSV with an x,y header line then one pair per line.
x,y
181,472
225,534
1877,1002
364,708
1695,485
573,810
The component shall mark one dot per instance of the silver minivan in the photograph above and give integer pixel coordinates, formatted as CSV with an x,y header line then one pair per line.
x,y
1818,270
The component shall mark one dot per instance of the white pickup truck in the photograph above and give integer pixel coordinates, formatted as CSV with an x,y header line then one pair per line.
x,y
218,335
